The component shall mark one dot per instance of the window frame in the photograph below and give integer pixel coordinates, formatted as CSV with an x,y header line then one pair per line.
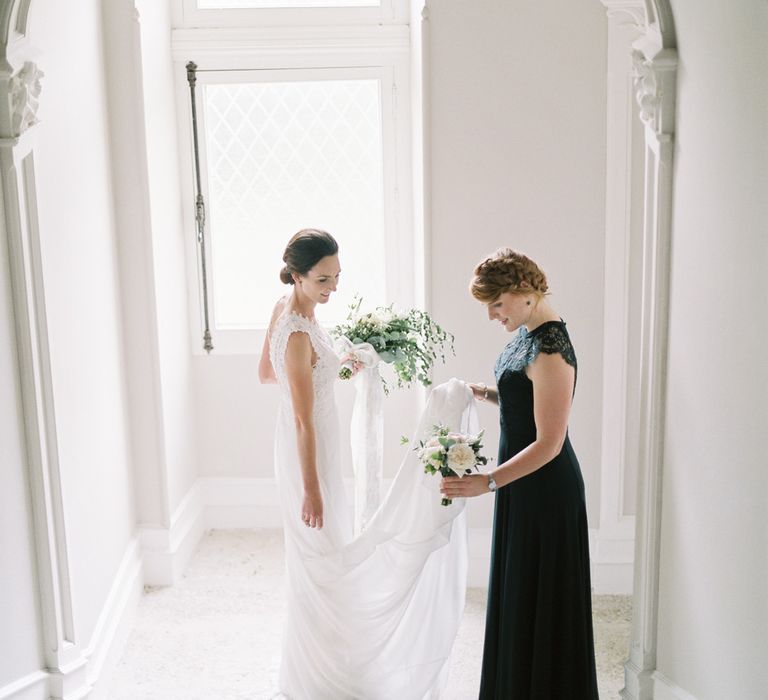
x,y
188,14
227,55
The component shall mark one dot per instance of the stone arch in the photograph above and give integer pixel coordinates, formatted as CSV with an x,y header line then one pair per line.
x,y
13,22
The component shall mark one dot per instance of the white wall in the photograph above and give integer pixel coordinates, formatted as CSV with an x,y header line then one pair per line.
x,y
83,303
713,608
168,240
518,159
152,256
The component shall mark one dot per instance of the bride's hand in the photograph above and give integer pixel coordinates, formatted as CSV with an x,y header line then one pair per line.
x,y
312,509
351,357
464,486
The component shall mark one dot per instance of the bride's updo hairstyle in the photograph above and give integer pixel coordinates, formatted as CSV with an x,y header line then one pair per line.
x,y
507,271
304,251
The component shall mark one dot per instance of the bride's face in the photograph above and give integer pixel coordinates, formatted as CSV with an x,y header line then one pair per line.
x,y
511,310
320,282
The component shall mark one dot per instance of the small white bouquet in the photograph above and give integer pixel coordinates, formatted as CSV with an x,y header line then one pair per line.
x,y
451,454
410,341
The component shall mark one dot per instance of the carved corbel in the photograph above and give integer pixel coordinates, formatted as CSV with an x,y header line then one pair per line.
x,y
24,94
647,88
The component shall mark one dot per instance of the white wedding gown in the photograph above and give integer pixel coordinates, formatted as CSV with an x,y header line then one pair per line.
x,y
372,617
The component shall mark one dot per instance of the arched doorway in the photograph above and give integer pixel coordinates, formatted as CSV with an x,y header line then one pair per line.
x,y
637,306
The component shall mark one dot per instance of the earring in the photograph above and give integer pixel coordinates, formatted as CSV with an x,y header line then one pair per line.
x,y
528,303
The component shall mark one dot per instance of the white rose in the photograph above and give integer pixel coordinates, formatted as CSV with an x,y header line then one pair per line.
x,y
431,453
381,318
460,458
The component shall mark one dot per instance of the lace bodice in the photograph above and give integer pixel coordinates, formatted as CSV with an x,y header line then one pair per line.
x,y
550,337
514,386
325,369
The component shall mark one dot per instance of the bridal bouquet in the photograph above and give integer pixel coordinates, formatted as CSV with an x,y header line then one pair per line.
x,y
410,341
451,454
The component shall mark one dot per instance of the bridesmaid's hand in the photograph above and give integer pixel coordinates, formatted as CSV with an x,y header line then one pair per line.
x,y
464,486
478,390
312,509
482,392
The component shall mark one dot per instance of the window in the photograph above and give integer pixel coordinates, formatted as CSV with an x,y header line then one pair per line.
x,y
284,155
299,127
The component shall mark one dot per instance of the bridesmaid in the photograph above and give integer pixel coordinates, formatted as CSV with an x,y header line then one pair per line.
x,y
538,637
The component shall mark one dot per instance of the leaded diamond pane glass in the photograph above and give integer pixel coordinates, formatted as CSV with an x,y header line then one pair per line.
x,y
286,156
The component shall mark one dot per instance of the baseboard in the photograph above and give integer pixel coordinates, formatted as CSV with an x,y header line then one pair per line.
x,y
115,621
232,503
33,686
665,689
166,553
80,678
612,553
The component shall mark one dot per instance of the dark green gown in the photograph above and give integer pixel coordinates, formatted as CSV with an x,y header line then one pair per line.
x,y
538,637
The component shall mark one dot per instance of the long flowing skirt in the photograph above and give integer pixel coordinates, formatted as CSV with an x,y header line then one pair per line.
x,y
373,617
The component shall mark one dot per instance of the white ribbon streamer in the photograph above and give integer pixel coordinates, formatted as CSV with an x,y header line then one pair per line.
x,y
367,430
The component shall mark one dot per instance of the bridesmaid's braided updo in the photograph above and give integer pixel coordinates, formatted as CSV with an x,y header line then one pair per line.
x,y
507,271
305,249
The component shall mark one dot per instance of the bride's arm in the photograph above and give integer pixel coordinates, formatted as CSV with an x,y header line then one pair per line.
x,y
298,368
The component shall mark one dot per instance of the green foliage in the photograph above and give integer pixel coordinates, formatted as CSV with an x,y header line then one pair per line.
x,y
410,341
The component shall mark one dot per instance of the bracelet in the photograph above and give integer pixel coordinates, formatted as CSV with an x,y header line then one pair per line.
x,y
484,387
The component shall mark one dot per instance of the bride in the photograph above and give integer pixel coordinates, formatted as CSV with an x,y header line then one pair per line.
x,y
373,616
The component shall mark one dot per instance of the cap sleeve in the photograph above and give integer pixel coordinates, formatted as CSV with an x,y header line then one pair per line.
x,y
554,339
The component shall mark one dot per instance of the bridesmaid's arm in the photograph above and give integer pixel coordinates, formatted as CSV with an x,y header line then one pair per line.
x,y
298,368
552,380
485,393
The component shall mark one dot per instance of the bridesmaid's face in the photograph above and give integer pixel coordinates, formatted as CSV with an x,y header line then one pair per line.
x,y
511,310
321,281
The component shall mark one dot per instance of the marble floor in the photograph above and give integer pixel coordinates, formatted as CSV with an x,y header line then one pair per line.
x,y
216,634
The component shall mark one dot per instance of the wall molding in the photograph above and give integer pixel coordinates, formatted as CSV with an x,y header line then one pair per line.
x,y
166,551
655,84
17,168
665,689
202,43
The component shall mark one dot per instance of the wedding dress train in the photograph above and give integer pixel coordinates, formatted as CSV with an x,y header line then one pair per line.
x,y
371,617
